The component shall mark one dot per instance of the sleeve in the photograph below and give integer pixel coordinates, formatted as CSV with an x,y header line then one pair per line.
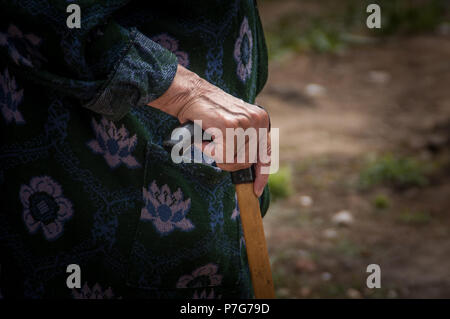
x,y
107,68
142,74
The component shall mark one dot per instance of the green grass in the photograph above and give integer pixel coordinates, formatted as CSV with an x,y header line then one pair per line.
x,y
280,184
317,38
411,17
415,217
332,290
334,28
389,170
348,248
397,16
381,202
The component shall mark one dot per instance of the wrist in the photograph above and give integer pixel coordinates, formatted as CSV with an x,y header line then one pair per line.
x,y
181,92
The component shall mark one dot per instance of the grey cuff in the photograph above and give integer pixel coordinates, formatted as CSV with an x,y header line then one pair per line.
x,y
143,73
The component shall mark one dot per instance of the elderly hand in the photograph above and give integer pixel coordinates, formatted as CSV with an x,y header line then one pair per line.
x,y
192,98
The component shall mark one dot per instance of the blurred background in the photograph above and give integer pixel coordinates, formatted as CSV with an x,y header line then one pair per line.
x,y
364,118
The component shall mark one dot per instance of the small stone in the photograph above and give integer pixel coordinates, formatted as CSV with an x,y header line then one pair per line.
x,y
392,294
283,292
305,265
315,90
343,218
353,293
444,29
305,291
303,253
379,77
330,233
326,276
306,201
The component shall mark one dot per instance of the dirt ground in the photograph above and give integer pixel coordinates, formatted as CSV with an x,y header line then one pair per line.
x,y
333,111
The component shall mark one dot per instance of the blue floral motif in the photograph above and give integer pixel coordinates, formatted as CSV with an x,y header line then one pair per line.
x,y
205,276
114,144
171,44
21,47
45,207
205,295
95,293
243,51
167,211
10,98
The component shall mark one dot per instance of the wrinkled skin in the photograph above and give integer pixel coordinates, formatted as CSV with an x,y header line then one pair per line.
x,y
192,98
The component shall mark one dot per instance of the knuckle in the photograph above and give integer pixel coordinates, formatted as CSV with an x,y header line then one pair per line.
x,y
239,121
261,118
245,122
265,119
231,123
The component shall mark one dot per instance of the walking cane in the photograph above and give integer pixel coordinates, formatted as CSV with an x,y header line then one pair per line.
x,y
252,225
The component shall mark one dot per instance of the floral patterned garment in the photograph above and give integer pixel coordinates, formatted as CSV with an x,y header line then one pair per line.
x,y
84,179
